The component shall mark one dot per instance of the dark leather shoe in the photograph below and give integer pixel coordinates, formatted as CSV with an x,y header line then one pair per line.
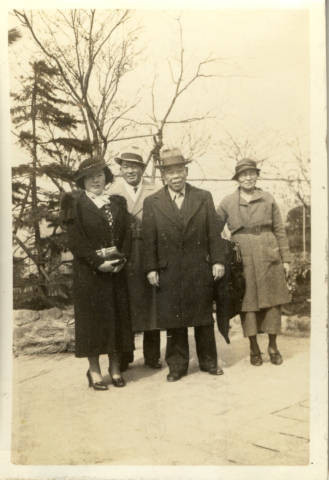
x,y
100,386
216,371
174,376
213,370
118,382
275,357
256,359
157,364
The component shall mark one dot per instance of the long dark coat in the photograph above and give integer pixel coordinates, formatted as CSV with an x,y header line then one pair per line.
x,y
182,248
262,253
102,320
141,293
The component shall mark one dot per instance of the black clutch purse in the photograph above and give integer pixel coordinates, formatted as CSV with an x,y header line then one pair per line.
x,y
111,253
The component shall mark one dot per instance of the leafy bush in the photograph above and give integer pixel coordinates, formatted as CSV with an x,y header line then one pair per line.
x,y
299,283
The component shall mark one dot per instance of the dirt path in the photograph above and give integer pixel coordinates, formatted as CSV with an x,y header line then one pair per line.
x,y
251,415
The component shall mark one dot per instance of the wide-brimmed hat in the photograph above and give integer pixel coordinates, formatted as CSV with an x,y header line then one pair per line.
x,y
172,157
245,164
131,157
90,166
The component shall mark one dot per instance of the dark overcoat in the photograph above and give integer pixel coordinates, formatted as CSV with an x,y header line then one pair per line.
x,y
141,293
102,320
263,250
182,248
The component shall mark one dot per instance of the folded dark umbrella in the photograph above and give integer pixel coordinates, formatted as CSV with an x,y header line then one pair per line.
x,y
229,290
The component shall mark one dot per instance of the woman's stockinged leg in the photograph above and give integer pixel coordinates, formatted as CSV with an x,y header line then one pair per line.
x,y
254,347
114,365
114,370
272,346
273,351
94,368
255,353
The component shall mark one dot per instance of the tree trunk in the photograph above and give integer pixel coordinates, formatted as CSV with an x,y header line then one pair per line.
x,y
34,193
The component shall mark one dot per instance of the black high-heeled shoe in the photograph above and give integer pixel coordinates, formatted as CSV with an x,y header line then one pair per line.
x,y
118,382
96,385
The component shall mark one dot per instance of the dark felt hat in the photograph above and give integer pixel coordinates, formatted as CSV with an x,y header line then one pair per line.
x,y
245,164
171,157
90,166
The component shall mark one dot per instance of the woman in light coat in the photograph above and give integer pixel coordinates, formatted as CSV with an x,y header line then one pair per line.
x,y
254,220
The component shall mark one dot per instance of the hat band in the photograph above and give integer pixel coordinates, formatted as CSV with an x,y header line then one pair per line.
x,y
131,156
243,168
89,168
176,160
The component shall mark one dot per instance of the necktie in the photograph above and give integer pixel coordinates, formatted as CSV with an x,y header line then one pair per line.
x,y
135,189
178,199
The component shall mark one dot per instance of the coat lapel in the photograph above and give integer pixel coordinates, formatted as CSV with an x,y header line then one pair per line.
x,y
146,190
164,204
118,188
194,202
125,193
89,204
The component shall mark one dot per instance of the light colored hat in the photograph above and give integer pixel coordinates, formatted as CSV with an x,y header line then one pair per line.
x,y
132,157
171,157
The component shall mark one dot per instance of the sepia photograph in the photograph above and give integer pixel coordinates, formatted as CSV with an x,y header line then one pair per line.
x,y
164,170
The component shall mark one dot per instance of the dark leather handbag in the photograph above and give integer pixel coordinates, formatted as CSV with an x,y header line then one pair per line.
x,y
111,253
230,289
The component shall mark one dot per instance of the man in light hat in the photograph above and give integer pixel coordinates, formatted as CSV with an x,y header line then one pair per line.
x,y
135,189
183,256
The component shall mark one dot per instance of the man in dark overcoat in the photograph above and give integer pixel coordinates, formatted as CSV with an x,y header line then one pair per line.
x,y
183,256
134,188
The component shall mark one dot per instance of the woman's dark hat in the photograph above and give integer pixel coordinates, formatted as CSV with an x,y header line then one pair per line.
x,y
131,157
245,164
171,157
90,166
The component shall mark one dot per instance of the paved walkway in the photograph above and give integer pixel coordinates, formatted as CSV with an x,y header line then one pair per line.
x,y
249,416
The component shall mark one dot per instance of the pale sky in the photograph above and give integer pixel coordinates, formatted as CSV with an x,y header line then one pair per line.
x,y
263,96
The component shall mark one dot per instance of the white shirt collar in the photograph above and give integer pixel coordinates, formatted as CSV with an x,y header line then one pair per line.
x,y
131,189
173,194
99,200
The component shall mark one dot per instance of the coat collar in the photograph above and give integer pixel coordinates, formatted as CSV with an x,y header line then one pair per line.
x,y
258,195
164,203
90,205
134,206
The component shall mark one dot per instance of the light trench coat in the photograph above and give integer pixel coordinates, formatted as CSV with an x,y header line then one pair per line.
x,y
141,293
263,252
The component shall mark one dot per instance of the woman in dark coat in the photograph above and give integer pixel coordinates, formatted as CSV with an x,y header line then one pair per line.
x,y
95,222
254,221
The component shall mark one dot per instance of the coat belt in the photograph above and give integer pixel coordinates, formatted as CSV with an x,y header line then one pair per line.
x,y
255,229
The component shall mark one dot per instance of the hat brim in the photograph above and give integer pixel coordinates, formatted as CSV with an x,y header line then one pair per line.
x,y
163,167
135,162
243,169
81,175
